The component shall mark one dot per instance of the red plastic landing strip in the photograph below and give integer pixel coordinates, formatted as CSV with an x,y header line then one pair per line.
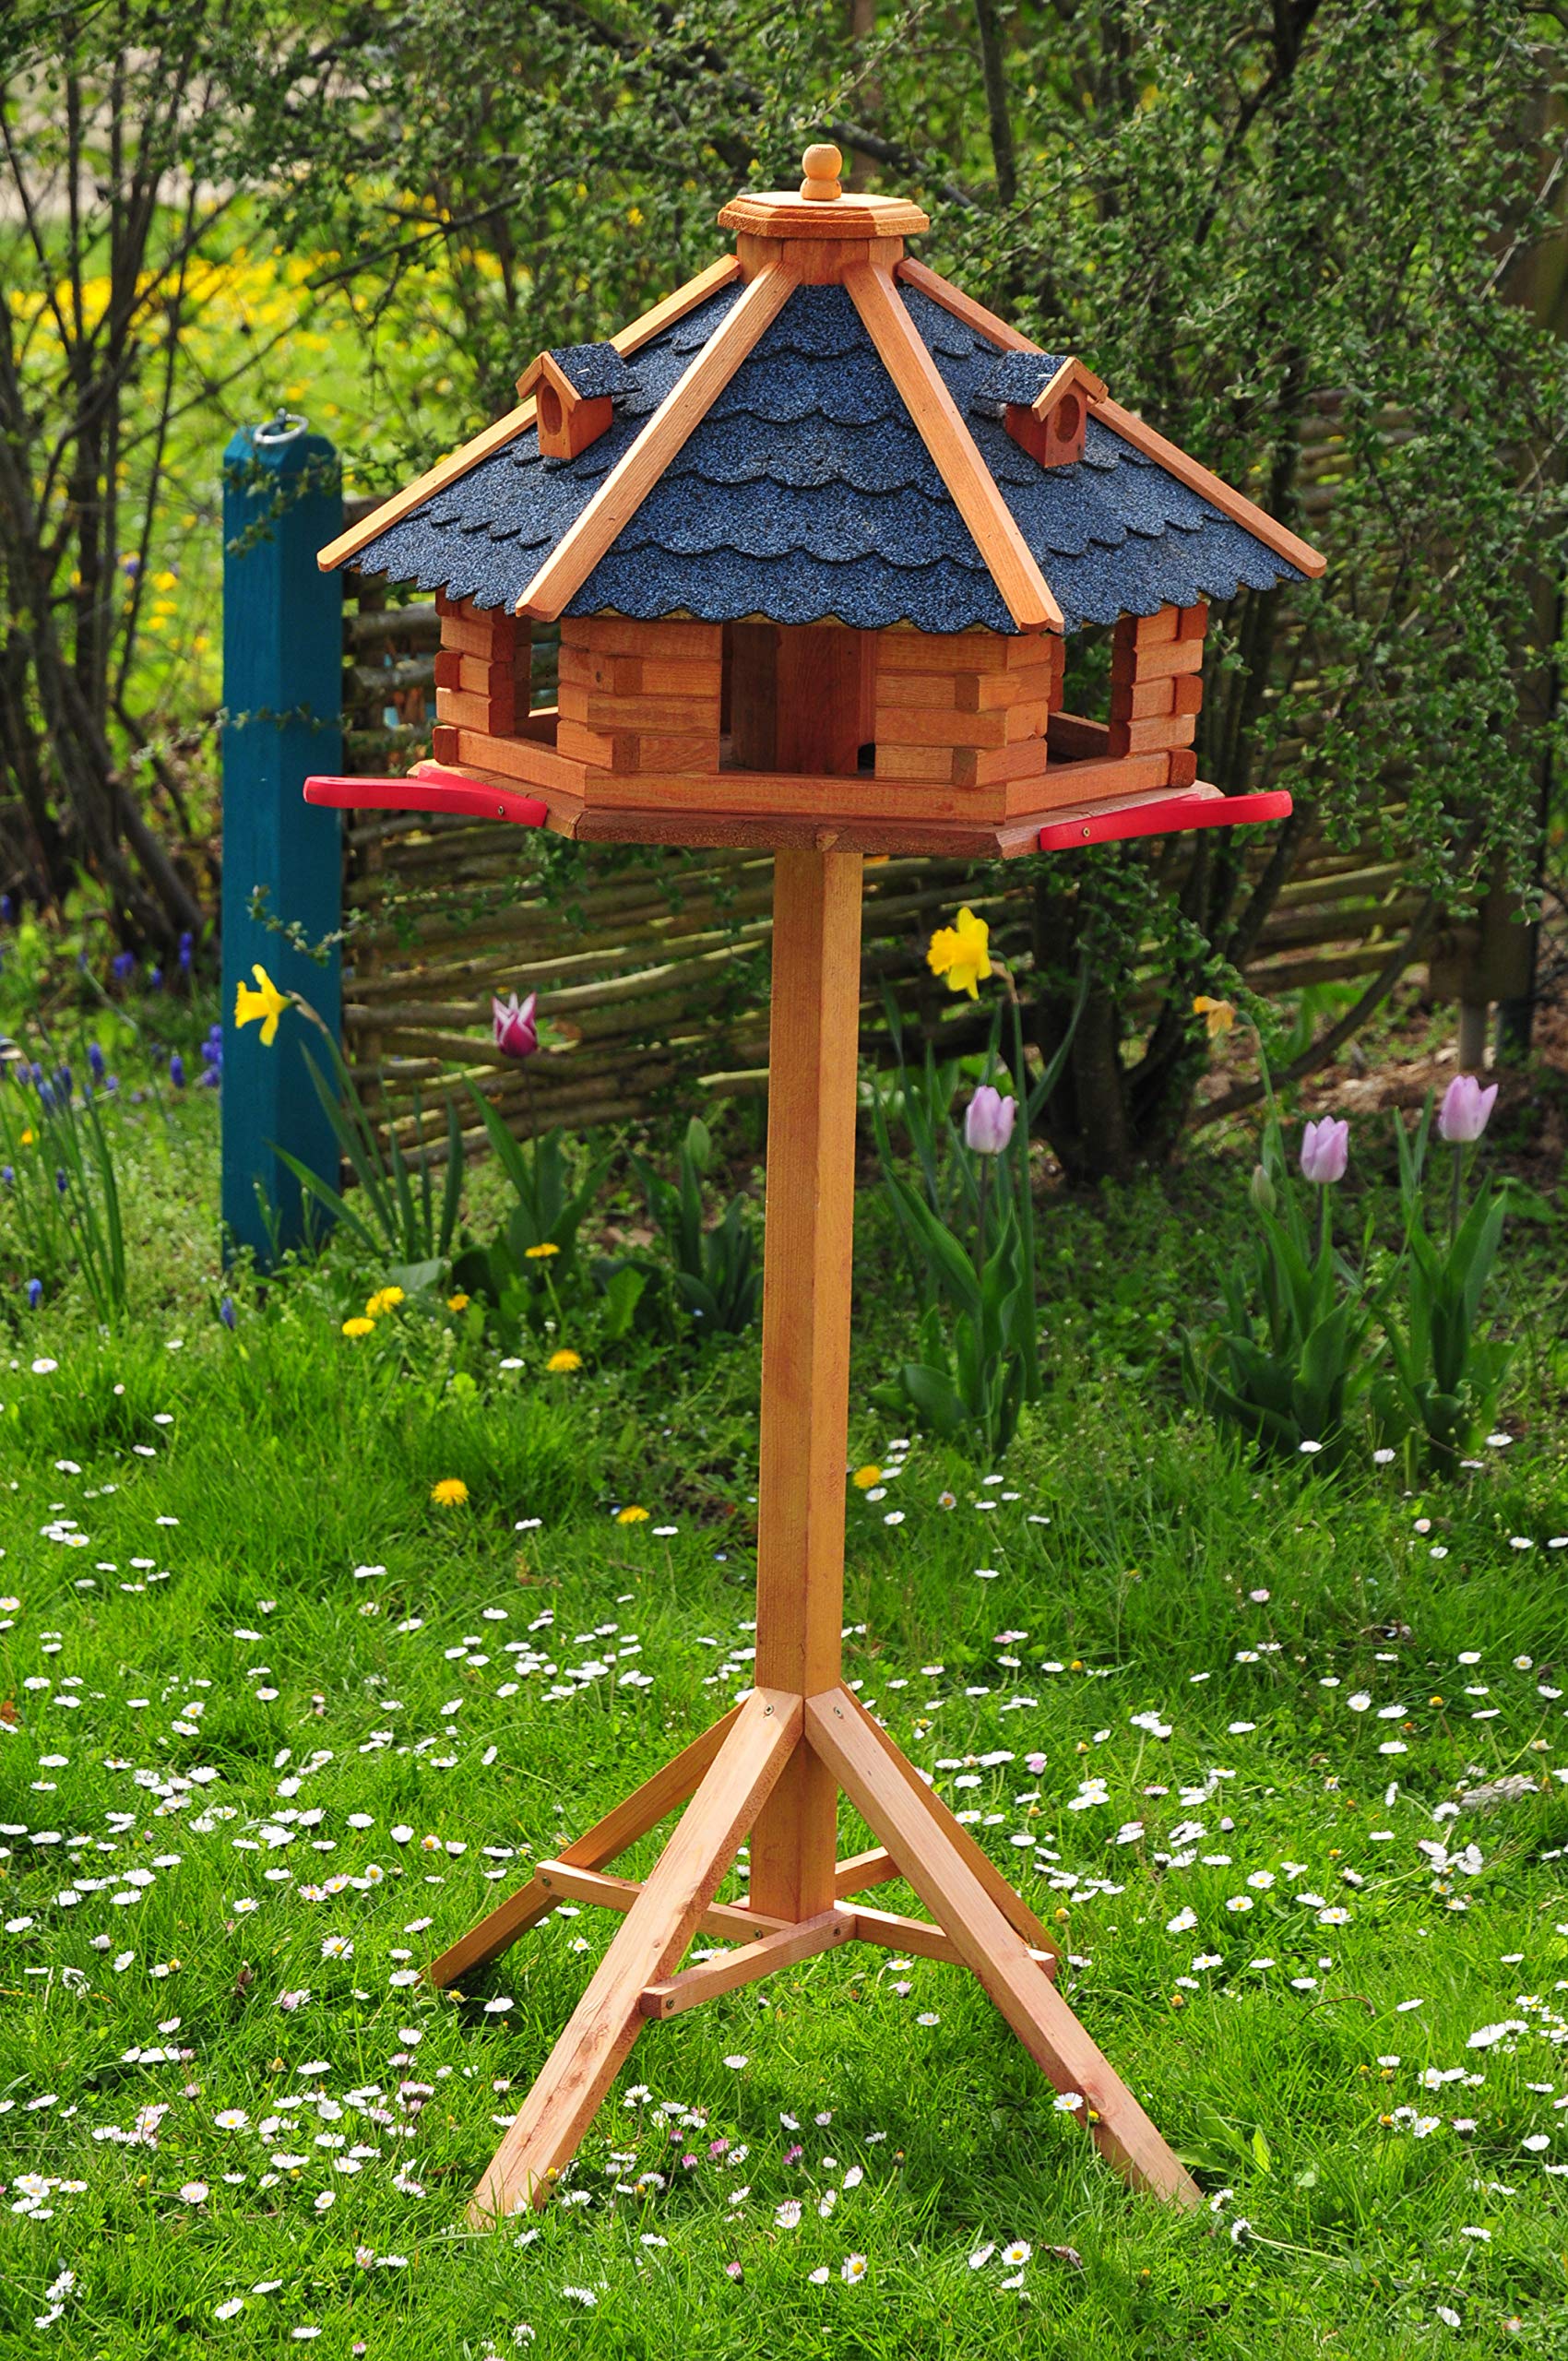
x,y
430,789
1163,817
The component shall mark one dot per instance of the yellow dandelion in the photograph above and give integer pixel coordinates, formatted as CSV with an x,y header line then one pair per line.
x,y
961,953
631,1516
864,1477
266,1002
450,1493
562,1364
1217,1014
27,1138
541,1253
385,1300
456,1303
359,1326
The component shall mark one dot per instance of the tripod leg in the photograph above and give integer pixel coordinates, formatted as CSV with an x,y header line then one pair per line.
x,y
1012,1906
647,1949
947,1885
600,1845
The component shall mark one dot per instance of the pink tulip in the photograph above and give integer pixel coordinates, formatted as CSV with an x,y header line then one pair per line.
x,y
517,1035
1465,1107
1325,1151
988,1121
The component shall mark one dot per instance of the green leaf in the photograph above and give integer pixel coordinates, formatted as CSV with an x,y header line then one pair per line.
x,y
623,1294
934,1398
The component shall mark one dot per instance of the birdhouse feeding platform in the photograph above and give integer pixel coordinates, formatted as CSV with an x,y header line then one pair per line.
x,y
815,531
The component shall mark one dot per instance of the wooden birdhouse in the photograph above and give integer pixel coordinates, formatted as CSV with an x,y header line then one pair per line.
x,y
815,530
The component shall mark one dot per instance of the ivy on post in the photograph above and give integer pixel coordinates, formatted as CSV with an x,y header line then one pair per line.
x,y
283,692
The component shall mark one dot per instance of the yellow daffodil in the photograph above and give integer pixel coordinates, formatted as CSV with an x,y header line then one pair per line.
x,y
562,1364
358,1326
962,954
631,1516
450,1493
1217,1014
456,1303
266,1002
864,1477
385,1300
539,1254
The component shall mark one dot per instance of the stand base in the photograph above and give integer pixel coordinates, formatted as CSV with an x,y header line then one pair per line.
x,y
727,1774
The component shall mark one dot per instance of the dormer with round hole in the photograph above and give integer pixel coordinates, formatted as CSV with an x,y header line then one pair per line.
x,y
1045,404
575,388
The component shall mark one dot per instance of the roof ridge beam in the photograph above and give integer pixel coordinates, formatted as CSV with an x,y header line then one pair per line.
x,y
1132,429
639,467
631,339
975,491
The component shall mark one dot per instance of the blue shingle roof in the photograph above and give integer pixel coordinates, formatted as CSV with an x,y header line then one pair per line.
x,y
806,494
593,370
1016,377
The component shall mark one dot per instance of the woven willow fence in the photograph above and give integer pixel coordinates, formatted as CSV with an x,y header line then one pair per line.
x,y
651,966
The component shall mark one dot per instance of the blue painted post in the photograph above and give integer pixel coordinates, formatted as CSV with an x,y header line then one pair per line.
x,y
283,690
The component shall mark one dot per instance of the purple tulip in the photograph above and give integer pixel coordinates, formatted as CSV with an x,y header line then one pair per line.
x,y
988,1121
1325,1151
517,1035
1465,1110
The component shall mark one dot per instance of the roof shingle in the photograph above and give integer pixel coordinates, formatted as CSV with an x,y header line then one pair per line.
x,y
806,493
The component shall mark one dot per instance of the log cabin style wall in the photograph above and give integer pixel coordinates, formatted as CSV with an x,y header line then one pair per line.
x,y
971,710
637,698
482,674
1157,687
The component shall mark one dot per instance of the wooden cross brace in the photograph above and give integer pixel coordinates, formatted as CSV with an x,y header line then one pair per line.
x,y
774,1766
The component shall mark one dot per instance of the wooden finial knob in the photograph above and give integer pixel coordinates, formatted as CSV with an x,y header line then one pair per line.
x,y
821,167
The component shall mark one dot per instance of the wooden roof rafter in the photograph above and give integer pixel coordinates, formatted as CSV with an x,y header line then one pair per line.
x,y
505,429
974,490
639,467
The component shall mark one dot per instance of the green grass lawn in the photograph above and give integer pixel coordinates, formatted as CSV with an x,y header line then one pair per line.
x,y
278,1728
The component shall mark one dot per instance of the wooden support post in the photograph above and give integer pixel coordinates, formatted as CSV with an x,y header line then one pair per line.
x,y
730,1921
1012,1906
709,1977
779,1761
606,1841
282,691
861,1871
948,1886
648,1947
805,1348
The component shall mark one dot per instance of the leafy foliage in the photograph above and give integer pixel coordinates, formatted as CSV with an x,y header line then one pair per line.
x,y
1293,1370
1312,240
395,1212
62,1191
718,1271
1446,1374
